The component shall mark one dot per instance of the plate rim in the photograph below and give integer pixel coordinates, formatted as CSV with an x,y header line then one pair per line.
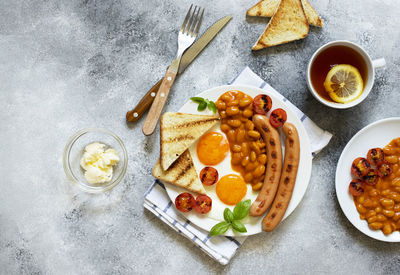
x,y
370,233
306,138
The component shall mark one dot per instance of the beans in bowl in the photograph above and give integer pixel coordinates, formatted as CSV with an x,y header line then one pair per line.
x,y
376,191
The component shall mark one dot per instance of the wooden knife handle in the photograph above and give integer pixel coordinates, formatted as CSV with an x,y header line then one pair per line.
x,y
144,104
159,101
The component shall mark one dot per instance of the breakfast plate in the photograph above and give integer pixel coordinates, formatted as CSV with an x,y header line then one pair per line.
x,y
253,224
377,134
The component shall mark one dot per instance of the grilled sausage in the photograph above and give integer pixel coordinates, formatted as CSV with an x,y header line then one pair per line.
x,y
288,178
274,165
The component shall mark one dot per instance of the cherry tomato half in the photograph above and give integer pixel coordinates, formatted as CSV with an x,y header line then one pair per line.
x,y
385,169
262,104
185,202
375,156
360,167
208,175
356,187
277,117
203,204
372,177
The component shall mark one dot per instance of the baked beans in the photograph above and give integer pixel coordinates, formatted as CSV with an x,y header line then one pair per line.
x,y
380,203
246,145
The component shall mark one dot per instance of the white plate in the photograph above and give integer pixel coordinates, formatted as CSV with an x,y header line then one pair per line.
x,y
377,134
253,224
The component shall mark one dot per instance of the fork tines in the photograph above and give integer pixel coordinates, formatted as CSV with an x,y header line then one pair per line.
x,y
192,27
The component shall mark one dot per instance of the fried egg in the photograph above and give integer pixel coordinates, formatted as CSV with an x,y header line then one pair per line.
x,y
212,149
231,189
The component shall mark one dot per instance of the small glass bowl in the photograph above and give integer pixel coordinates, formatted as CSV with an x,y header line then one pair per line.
x,y
73,153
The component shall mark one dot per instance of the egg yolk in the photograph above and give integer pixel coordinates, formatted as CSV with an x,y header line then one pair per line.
x,y
212,148
231,189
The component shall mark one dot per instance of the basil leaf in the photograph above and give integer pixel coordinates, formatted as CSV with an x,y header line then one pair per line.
x,y
241,209
211,105
228,215
202,106
219,228
197,99
239,227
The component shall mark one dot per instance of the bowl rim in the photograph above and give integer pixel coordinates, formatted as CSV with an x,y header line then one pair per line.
x,y
367,88
68,170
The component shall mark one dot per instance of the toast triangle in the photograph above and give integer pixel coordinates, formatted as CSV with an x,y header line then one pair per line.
x,y
179,131
264,8
289,23
312,16
267,8
182,173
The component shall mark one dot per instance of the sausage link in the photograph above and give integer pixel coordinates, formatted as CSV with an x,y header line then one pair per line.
x,y
274,165
288,178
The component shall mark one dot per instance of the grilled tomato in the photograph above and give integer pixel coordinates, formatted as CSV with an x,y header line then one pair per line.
x,y
203,204
356,187
278,117
262,104
385,168
360,167
208,175
375,156
185,202
372,177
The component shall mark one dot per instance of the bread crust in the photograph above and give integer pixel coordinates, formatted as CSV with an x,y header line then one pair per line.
x,y
267,8
289,23
181,173
178,132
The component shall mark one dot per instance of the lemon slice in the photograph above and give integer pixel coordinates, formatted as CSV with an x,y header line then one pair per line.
x,y
344,83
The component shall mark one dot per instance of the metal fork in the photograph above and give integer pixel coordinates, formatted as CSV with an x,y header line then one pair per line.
x,y
186,37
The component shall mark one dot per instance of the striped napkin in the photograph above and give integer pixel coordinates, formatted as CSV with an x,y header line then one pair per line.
x,y
222,248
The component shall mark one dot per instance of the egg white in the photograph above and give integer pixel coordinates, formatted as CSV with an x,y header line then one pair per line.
x,y
223,168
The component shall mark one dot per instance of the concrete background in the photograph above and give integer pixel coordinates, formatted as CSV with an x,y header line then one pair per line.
x,y
67,65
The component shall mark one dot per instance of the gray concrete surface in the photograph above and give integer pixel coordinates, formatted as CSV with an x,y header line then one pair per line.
x,y
67,65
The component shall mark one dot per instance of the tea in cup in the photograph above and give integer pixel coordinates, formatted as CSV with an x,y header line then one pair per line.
x,y
341,74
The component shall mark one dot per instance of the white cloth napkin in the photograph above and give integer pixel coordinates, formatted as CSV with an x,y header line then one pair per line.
x,y
222,248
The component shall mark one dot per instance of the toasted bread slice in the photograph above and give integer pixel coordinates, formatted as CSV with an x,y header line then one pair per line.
x,y
179,131
289,23
312,16
264,8
181,173
267,8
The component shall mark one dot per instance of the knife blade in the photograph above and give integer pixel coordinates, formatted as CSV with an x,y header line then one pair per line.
x,y
187,58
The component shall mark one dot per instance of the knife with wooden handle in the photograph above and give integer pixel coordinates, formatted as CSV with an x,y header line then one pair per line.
x,y
145,103
161,98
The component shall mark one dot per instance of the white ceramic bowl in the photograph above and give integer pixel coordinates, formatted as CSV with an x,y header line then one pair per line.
x,y
377,134
369,82
253,224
